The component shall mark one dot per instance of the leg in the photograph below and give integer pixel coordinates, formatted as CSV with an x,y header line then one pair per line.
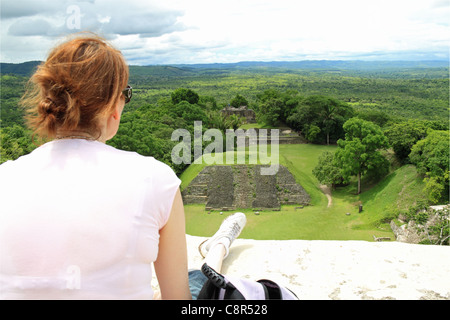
x,y
215,249
215,256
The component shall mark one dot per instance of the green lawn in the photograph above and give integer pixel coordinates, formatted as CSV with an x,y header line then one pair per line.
x,y
317,221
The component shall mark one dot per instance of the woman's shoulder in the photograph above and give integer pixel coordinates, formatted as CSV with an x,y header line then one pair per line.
x,y
140,162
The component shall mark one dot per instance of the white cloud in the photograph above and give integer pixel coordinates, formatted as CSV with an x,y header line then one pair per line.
x,y
197,31
24,8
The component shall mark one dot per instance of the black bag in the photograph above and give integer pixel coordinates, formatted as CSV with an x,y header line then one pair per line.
x,y
220,287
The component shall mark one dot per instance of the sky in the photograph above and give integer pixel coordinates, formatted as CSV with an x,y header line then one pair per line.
x,y
161,32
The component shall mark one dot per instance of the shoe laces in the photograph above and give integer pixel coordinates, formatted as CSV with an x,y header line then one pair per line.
x,y
230,231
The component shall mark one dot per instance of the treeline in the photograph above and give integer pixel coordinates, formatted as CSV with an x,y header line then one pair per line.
x,y
405,93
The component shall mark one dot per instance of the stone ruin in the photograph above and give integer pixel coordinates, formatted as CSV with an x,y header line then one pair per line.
x,y
285,136
229,187
242,112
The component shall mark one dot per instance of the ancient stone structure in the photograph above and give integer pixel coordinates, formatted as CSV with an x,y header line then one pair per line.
x,y
243,111
243,186
285,136
412,232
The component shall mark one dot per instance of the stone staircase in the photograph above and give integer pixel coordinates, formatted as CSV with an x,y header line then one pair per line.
x,y
242,186
197,192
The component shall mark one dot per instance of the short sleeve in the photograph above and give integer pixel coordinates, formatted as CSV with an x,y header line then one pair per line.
x,y
164,186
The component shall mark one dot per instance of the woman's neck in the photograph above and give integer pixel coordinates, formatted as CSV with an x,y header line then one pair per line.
x,y
74,134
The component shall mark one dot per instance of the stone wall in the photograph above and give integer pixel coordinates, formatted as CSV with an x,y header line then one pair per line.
x,y
243,186
242,112
412,232
285,136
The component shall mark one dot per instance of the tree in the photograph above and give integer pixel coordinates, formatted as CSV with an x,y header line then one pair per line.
x,y
311,132
239,101
275,106
330,112
434,189
327,171
183,94
359,152
15,141
326,113
140,133
217,120
378,117
233,122
431,157
270,110
188,112
404,135
208,102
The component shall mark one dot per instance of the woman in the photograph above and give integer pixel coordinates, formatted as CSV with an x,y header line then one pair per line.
x,y
80,219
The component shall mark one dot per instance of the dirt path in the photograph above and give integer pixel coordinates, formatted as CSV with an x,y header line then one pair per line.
x,y
327,191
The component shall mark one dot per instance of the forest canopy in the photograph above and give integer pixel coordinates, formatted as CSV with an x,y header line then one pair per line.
x,y
406,102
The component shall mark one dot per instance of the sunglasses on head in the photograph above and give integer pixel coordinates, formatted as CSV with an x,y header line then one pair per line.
x,y
128,93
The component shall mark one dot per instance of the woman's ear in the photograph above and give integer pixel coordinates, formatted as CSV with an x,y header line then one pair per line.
x,y
116,114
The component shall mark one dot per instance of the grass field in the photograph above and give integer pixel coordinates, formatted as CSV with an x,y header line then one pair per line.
x,y
317,221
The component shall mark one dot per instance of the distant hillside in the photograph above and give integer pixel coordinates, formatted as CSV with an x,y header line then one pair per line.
x,y
176,70
322,64
158,71
22,69
27,68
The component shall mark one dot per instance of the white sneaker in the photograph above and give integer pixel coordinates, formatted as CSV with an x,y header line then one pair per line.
x,y
229,230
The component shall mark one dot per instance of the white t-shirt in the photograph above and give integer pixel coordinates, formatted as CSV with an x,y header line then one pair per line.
x,y
80,220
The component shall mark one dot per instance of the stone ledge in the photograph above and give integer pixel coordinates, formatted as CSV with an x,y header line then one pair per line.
x,y
340,270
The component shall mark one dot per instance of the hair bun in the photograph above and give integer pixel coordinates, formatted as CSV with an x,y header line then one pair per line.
x,y
78,85
49,107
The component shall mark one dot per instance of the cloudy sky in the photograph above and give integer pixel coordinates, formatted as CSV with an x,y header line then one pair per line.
x,y
208,31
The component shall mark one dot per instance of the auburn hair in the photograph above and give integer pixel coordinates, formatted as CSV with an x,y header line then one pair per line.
x,y
81,82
